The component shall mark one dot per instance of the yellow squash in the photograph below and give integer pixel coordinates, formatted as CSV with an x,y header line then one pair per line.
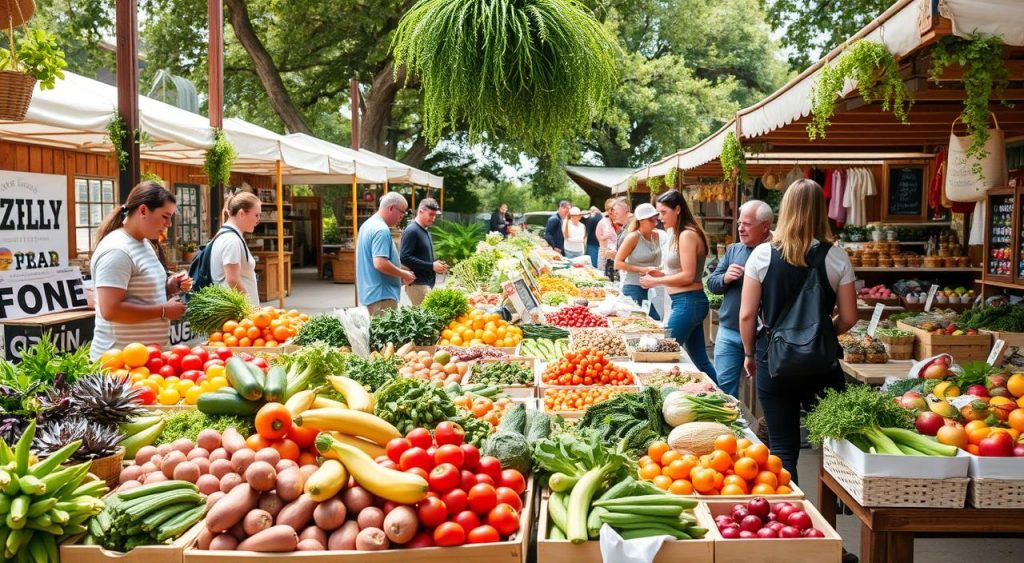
x,y
368,447
389,484
326,481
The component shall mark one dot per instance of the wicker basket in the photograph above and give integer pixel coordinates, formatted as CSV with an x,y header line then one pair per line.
x,y
900,351
108,468
996,493
894,491
15,94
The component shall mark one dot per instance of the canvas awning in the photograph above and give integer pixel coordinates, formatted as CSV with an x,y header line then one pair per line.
x,y
598,177
399,173
345,164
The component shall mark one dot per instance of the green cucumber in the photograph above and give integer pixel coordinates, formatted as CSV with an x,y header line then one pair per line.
x,y
226,401
277,383
242,379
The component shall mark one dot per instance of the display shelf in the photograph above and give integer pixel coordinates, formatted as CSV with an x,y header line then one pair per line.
x,y
903,270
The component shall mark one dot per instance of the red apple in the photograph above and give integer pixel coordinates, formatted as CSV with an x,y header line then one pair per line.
x,y
1018,450
913,402
998,444
996,380
935,370
928,423
977,390
1000,392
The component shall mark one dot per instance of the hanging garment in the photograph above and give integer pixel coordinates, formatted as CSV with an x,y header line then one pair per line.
x,y
977,234
836,211
827,186
935,190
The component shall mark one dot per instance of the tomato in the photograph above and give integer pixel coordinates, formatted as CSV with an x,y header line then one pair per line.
x,y
223,352
261,363
201,352
432,512
467,520
173,360
257,442
424,538
471,456
444,478
288,449
302,436
450,453
504,518
418,471
507,496
192,375
431,451
415,457
181,349
490,466
482,498
154,364
483,534
154,351
168,371
420,437
514,480
273,421
449,534
396,447
146,395
449,433
468,480
456,500
484,478
191,362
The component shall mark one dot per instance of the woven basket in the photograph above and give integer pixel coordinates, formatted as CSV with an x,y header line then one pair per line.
x,y
15,94
895,491
900,351
108,468
996,493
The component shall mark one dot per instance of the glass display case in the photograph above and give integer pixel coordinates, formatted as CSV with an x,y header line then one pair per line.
x,y
1001,253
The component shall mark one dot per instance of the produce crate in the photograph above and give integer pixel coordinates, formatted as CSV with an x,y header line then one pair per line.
x,y
900,466
895,491
638,356
71,551
1012,340
628,325
872,301
572,342
544,389
672,551
996,493
645,376
514,391
797,494
964,348
777,550
518,352
512,551
252,350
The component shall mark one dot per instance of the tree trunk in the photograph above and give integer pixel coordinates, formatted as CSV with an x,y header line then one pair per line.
x,y
377,104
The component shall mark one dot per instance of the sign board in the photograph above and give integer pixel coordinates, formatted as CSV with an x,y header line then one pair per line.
x,y
520,297
181,333
904,192
997,352
69,331
931,297
875,318
33,221
40,292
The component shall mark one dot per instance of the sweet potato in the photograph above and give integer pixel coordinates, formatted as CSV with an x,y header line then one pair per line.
x,y
298,513
232,441
372,539
356,499
370,517
314,533
309,545
261,476
213,497
232,508
344,538
256,521
223,542
205,537
230,481
400,524
274,539
242,459
272,503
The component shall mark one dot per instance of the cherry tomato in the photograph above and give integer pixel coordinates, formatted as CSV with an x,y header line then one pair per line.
x,y
514,480
444,478
450,453
490,466
201,352
303,436
396,447
482,498
471,457
483,534
191,362
415,457
504,518
287,449
468,480
467,520
146,395
420,437
449,534
168,371
508,496
223,352
432,512
154,351
449,432
456,500
181,350
192,375
424,538
173,360
155,364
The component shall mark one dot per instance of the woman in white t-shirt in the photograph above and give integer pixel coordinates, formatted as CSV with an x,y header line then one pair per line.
x,y
575,233
135,299
231,263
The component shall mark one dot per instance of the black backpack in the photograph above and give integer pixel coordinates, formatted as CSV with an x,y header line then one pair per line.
x,y
199,269
803,342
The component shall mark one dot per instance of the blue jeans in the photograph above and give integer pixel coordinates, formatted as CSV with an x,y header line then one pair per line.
x,y
686,326
570,254
729,360
592,252
638,294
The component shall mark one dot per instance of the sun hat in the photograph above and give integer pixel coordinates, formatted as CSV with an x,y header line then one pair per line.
x,y
645,211
575,211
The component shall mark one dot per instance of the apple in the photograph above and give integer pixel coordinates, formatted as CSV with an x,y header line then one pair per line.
x,y
997,444
751,523
977,390
928,423
935,370
1000,392
996,380
1018,450
789,532
913,402
813,533
759,506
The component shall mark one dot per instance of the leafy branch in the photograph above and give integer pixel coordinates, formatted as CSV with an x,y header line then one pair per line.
x,y
670,178
734,162
117,132
37,54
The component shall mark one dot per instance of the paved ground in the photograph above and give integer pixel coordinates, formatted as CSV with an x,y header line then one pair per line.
x,y
311,295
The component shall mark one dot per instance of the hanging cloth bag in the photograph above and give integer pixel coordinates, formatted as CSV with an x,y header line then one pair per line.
x,y
962,184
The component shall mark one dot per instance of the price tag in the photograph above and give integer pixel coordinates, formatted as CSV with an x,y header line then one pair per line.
x,y
997,350
875,318
645,305
961,401
931,296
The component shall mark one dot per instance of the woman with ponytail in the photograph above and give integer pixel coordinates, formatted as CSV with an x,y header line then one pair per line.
x,y
135,299
231,263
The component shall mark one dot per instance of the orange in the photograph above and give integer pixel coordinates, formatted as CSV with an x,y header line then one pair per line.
x,y
726,443
762,489
275,323
230,340
735,480
644,461
272,343
759,452
282,333
112,359
784,477
678,469
977,435
216,337
704,481
974,425
719,479
691,459
650,471
1015,385
663,482
245,323
743,443
261,319
244,342
774,464
135,355
783,490
973,449
141,372
746,468
668,457
240,332
767,478
1020,402
253,333
1016,420
731,489
952,436
681,487
230,326
720,460
259,343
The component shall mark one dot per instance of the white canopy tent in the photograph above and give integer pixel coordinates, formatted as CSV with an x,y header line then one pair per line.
x,y
399,173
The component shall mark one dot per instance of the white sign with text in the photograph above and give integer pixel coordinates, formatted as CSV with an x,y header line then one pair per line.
x,y
33,221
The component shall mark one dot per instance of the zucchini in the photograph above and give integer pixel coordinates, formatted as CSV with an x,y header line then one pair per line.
x,y
226,401
277,383
242,379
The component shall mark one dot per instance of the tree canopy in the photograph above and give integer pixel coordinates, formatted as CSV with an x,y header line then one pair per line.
x,y
812,28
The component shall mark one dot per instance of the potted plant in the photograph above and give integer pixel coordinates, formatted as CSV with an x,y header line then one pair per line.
x,y
187,249
32,55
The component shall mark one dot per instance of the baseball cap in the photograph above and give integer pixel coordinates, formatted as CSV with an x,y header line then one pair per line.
x,y
645,211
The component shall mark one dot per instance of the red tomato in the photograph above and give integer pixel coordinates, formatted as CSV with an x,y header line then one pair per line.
x,y
172,359
181,350
431,451
450,453
483,534
418,471
456,500
302,436
201,352
449,433
449,534
223,352
424,538
444,478
490,466
192,375
432,512
467,520
484,478
146,395
471,456
415,457
261,363
154,364
154,351
191,362
396,447
482,498
420,437
288,449
504,518
514,480
468,480
509,497
168,371
389,506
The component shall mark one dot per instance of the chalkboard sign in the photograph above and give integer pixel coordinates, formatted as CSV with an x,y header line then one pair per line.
x,y
525,295
904,192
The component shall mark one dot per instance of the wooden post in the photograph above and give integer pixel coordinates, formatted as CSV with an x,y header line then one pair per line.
x,y
215,75
126,17
412,188
280,234
442,198
355,228
386,186
353,85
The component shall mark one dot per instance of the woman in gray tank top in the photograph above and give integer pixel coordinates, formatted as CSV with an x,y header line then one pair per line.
x,y
639,253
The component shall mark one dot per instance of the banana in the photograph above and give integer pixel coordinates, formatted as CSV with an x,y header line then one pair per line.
x,y
356,396
300,401
351,422
327,480
389,484
325,403
368,447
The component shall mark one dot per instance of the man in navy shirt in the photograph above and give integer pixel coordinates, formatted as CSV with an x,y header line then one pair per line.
x,y
418,251
553,230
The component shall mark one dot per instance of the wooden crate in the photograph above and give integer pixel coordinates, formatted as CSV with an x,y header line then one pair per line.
x,y
252,350
661,357
777,550
515,391
544,389
72,551
1012,340
627,325
964,348
672,551
797,494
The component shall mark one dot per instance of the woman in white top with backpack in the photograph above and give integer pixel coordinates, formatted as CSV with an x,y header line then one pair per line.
x,y
231,262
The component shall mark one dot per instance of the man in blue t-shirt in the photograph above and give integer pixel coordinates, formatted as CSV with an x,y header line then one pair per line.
x,y
379,276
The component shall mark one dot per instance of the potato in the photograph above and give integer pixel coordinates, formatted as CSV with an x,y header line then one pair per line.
x,y
256,521
370,517
269,455
308,470
208,439
164,449
309,545
230,481
213,497
208,484
272,503
285,464
197,452
401,524
149,467
372,539
203,464
356,499
219,453
220,468
330,514
128,485
205,537
223,542
344,538
155,477
171,461
290,483
261,476
130,473
186,471
144,453
241,460
183,445
314,533
232,441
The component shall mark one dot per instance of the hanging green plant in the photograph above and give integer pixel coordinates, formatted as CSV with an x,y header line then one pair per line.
x,y
984,73
734,162
534,72
877,75
654,185
150,176
34,52
117,132
670,178
630,188
219,159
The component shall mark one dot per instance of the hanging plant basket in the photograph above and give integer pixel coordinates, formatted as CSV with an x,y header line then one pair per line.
x,y
16,12
15,94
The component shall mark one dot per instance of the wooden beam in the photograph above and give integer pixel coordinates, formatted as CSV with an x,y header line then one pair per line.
x,y
955,73
127,57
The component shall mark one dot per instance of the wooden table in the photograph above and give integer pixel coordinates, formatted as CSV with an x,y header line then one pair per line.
x,y
887,534
875,374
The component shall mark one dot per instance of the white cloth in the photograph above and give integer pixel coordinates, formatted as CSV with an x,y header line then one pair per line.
x,y
615,549
977,234
860,183
837,265
230,249
577,239
123,262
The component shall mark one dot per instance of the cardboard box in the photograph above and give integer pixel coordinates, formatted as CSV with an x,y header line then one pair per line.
x,y
902,466
73,552
963,348
777,550
69,330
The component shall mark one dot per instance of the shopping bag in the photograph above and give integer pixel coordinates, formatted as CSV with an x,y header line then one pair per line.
x,y
962,184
